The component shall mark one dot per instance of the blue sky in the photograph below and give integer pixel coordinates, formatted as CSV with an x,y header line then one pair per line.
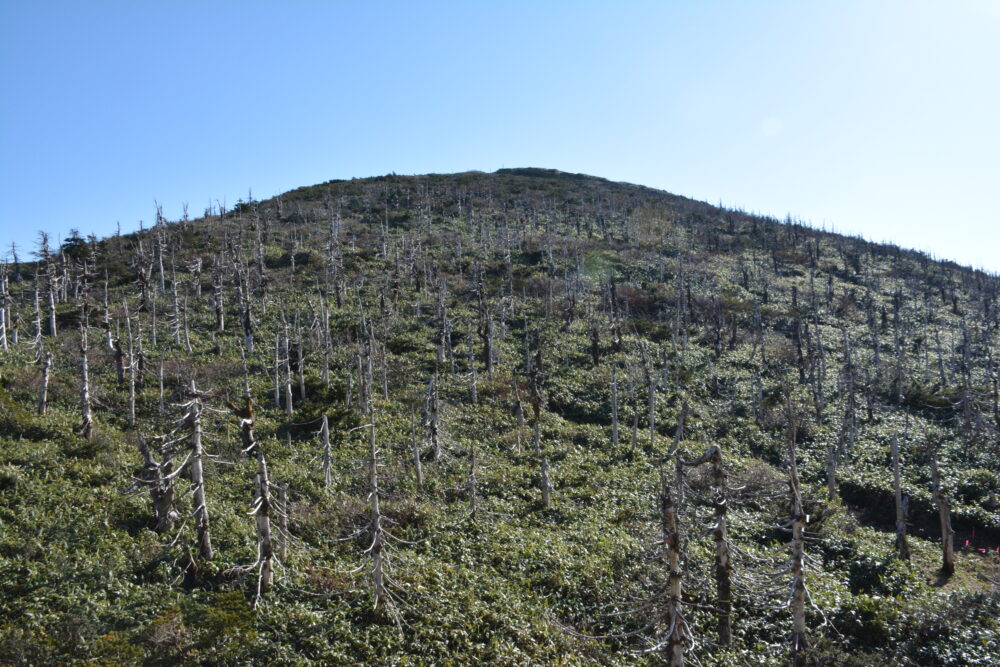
x,y
877,118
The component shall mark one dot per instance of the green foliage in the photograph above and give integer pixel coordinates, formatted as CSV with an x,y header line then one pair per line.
x,y
87,579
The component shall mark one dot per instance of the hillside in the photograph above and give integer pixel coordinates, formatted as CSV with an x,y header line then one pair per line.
x,y
457,419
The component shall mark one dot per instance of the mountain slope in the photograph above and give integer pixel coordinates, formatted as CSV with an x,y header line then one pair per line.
x,y
487,323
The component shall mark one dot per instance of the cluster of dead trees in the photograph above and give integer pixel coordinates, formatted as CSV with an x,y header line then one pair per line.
x,y
920,325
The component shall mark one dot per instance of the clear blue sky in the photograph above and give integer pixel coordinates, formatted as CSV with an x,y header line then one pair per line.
x,y
879,118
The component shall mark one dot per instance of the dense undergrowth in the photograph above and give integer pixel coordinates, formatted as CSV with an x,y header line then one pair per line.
x,y
740,318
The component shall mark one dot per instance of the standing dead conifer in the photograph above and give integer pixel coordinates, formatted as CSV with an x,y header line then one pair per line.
x,y
796,524
677,637
418,467
944,515
131,370
431,418
902,503
4,305
261,509
159,479
537,402
193,421
324,434
723,561
614,406
45,360
286,362
217,297
472,484
86,414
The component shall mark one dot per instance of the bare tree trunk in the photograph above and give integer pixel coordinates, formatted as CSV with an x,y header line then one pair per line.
x,y
518,410
678,635
131,372
43,387
197,477
375,550
87,424
301,359
415,453
614,406
283,522
217,302
544,481
52,311
723,566
797,598
187,334
944,513
472,483
324,431
177,308
902,547
3,313
159,478
120,362
473,376
431,417
262,513
287,361
277,370
160,376
38,323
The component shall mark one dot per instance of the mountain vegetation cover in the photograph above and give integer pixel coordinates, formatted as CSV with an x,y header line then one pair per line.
x,y
525,417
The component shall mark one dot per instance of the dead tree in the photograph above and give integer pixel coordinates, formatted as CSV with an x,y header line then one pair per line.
x,y
944,514
614,406
798,594
377,548
473,376
45,361
472,483
159,479
287,376
86,414
902,547
431,419
217,298
418,467
652,380
677,638
191,422
723,561
324,434
3,311
261,509
284,536
131,370
537,402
